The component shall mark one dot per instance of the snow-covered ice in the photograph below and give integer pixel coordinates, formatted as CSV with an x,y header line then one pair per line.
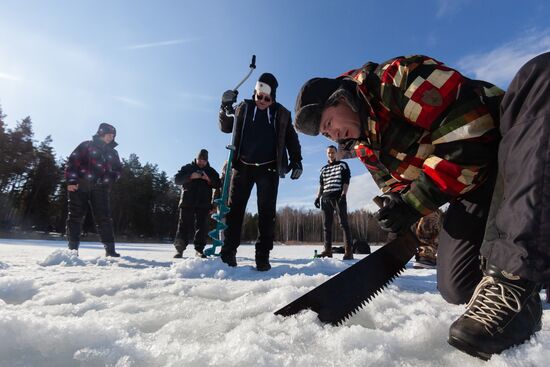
x,y
147,309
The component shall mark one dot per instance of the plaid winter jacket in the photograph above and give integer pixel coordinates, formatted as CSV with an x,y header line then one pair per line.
x,y
430,132
93,162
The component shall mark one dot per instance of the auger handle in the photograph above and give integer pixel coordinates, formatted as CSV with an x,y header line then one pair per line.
x,y
252,67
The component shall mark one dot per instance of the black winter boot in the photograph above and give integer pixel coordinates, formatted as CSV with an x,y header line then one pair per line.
x,y
262,261
504,311
179,251
229,257
199,252
110,250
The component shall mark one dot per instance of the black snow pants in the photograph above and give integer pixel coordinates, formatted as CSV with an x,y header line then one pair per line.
x,y
243,179
97,199
192,225
328,206
512,230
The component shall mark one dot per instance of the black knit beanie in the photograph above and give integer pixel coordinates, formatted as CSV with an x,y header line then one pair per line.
x,y
203,154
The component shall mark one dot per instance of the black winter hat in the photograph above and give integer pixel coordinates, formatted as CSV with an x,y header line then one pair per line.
x,y
203,154
270,80
311,101
105,128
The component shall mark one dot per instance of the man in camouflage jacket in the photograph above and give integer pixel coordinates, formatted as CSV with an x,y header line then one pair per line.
x,y
430,136
91,170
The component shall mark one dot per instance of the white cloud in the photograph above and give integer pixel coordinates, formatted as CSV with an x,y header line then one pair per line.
x,y
9,77
448,7
159,44
362,190
130,101
499,65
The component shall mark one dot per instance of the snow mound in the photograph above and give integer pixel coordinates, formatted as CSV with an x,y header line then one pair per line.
x,y
63,258
16,290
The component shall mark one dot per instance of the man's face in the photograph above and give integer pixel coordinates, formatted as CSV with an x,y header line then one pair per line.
x,y
201,163
340,122
331,154
107,138
262,100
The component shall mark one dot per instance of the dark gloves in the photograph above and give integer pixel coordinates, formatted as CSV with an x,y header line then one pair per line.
x,y
342,198
317,202
296,168
229,98
396,215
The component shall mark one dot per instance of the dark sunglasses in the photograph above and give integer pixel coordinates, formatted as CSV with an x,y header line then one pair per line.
x,y
260,97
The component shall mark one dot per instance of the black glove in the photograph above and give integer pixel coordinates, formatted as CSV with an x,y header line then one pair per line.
x,y
296,168
342,198
229,98
396,215
317,202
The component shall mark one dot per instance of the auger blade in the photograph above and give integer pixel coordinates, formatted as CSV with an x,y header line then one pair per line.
x,y
346,292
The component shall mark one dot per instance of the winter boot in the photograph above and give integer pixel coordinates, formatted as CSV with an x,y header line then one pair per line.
x,y
348,253
504,311
262,261
327,252
110,250
199,252
228,256
179,250
425,258
73,246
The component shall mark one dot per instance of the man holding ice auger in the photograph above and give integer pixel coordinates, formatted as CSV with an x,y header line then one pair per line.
x,y
430,136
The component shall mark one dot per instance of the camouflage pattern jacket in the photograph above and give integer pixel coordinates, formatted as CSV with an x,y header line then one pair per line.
x,y
430,132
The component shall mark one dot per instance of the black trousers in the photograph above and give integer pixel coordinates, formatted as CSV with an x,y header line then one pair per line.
x,y
518,231
97,199
192,225
328,206
458,255
243,179
512,231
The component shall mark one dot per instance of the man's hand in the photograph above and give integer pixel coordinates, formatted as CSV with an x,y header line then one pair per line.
x,y
342,197
195,176
296,168
206,178
396,215
317,202
229,98
72,188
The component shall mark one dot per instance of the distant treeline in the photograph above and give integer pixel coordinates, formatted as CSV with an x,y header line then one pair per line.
x,y
33,197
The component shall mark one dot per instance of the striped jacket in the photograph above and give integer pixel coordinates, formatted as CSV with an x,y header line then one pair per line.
x,y
430,132
333,177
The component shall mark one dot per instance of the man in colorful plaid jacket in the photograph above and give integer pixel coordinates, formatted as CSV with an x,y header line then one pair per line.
x,y
430,136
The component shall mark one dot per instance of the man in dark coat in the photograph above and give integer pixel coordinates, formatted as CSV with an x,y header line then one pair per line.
x,y
429,135
197,180
91,170
263,134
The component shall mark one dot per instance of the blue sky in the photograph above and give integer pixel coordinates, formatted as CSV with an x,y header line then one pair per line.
x,y
156,69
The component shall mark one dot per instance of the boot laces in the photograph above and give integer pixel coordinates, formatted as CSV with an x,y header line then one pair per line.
x,y
492,301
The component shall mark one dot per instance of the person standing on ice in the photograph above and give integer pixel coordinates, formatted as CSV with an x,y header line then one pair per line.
x,y
92,169
197,180
263,136
331,196
430,135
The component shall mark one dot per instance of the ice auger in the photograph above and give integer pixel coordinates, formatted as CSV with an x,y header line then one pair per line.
x,y
223,208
